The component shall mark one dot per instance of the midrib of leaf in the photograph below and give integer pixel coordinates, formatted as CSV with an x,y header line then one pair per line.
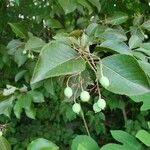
x,y
118,19
60,65
126,78
18,30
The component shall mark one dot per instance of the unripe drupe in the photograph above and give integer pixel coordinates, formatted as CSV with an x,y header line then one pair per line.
x,y
1,133
85,96
32,56
145,36
76,108
96,108
29,55
68,92
104,81
24,52
101,103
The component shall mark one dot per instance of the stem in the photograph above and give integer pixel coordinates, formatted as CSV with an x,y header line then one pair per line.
x,y
98,89
76,93
85,124
71,77
124,114
101,71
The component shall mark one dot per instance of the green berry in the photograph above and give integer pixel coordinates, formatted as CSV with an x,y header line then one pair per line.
x,y
76,108
29,55
85,96
24,52
96,108
145,36
1,133
101,103
68,92
32,56
104,81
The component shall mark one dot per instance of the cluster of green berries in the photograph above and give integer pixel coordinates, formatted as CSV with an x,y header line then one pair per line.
x,y
99,105
30,55
84,96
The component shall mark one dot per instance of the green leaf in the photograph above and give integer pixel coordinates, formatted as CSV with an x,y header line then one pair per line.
x,y
145,51
19,30
144,137
19,75
17,110
125,75
49,86
128,142
115,46
42,144
25,100
111,34
142,98
53,23
113,146
57,59
86,142
81,147
37,96
134,41
34,44
145,45
4,144
68,5
85,4
146,25
30,112
6,106
117,18
96,3
13,45
20,58
90,30
145,66
17,2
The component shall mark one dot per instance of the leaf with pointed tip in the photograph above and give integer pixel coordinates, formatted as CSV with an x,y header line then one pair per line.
x,y
34,44
96,3
84,142
145,66
146,25
4,144
125,75
19,30
53,23
111,34
57,59
86,5
127,141
17,110
68,5
6,106
115,46
134,41
42,144
144,137
145,98
117,18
